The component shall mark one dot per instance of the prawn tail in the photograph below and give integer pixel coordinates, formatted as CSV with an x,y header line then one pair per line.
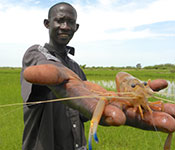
x,y
92,133
90,140
94,122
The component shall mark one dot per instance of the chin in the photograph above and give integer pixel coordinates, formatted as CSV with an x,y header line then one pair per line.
x,y
63,42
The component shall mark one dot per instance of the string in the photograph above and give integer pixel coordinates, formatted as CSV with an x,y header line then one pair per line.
x,y
127,97
124,95
62,99
163,99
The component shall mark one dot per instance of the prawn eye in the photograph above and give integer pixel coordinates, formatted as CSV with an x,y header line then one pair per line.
x,y
145,83
133,85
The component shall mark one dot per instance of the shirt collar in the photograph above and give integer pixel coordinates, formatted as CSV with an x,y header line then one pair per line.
x,y
69,49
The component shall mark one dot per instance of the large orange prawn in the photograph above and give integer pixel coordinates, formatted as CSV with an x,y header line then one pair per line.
x,y
132,93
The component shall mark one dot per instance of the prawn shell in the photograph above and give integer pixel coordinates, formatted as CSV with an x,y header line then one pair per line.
x,y
158,84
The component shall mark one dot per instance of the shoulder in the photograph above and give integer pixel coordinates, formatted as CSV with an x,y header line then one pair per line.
x,y
32,48
37,54
32,55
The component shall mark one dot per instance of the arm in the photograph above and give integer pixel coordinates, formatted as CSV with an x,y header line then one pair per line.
x,y
64,83
69,85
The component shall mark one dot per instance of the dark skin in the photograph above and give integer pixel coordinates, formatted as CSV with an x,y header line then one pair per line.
x,y
62,26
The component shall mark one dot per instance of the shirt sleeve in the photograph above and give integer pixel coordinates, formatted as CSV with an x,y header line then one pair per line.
x,y
33,56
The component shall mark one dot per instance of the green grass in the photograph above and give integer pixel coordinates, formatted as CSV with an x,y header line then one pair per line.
x,y
143,74
128,138
11,118
110,138
124,137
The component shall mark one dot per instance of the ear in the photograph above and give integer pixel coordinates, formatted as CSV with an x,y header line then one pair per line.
x,y
77,26
46,23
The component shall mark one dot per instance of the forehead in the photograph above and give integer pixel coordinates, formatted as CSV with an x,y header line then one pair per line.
x,y
63,11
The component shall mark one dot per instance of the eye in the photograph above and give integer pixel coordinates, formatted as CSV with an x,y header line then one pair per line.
x,y
133,85
59,20
72,21
145,83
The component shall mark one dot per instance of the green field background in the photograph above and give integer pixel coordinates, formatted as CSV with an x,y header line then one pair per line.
x,y
110,138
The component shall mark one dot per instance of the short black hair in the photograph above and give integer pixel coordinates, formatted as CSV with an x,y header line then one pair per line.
x,y
57,4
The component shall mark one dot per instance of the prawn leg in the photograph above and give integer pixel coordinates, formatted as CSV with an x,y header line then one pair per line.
x,y
141,112
149,109
153,105
95,120
167,145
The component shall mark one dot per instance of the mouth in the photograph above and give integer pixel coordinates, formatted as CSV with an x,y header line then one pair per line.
x,y
63,35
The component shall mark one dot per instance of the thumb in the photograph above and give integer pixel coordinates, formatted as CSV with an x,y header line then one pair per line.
x,y
114,116
158,84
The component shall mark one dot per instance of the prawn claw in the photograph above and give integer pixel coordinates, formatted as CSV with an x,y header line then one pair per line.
x,y
96,138
95,120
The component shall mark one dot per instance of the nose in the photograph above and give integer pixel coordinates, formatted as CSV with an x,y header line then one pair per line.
x,y
64,26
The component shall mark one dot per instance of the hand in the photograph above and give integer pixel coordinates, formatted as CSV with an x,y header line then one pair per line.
x,y
162,120
59,78
117,114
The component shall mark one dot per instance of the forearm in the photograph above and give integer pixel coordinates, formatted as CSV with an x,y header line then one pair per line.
x,y
63,83
85,102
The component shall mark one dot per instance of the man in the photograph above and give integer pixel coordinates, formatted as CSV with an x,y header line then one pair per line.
x,y
52,74
45,123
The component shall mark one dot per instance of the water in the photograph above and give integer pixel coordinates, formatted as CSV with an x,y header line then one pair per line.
x,y
108,84
169,91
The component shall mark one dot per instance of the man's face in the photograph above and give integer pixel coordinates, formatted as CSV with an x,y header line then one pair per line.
x,y
62,24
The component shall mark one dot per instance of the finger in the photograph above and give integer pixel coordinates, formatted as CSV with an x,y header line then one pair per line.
x,y
114,115
170,109
158,84
46,74
167,107
160,121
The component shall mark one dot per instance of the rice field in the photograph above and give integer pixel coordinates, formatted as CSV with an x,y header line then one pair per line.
x,y
110,138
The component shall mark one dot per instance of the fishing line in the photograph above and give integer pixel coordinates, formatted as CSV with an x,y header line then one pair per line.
x,y
60,99
120,96
156,130
163,99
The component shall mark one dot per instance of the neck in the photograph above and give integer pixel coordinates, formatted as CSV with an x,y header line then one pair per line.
x,y
57,46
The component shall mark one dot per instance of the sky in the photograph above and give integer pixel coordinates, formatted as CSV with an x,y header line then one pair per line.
x,y
116,33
